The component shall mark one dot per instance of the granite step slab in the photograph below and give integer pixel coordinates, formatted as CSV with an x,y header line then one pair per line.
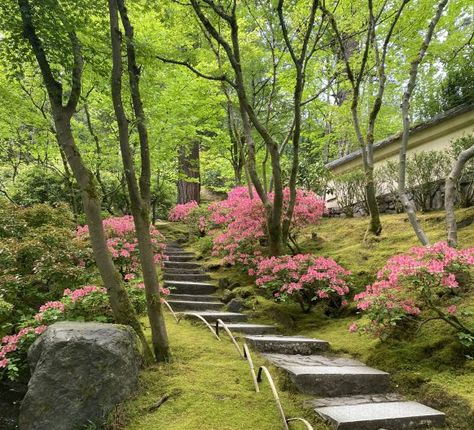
x,y
178,253
185,287
186,276
194,297
213,316
394,415
182,270
193,306
249,328
182,264
331,376
181,258
287,344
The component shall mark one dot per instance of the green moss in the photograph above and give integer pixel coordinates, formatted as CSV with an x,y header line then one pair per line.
x,y
210,386
429,366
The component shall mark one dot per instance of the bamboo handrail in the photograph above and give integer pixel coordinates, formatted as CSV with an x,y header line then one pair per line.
x,y
302,420
170,309
219,322
202,319
276,397
252,368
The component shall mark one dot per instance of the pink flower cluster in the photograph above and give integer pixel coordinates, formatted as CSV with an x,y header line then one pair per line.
x,y
11,343
305,276
78,294
413,283
242,220
180,212
123,244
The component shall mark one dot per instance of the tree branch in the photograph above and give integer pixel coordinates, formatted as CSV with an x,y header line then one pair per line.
x,y
221,78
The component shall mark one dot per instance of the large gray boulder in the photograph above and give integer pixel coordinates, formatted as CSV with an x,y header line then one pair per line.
x,y
80,371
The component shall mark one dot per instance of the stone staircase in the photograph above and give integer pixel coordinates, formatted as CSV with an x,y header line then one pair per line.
x,y
192,293
348,394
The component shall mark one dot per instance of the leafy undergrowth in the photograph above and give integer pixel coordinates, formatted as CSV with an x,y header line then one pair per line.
x,y
430,366
210,387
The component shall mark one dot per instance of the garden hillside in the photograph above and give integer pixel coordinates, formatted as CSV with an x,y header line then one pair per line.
x,y
297,175
428,363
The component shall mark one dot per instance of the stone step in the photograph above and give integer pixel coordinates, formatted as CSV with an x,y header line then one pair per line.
x,y
287,344
194,297
181,258
179,253
181,270
192,305
183,287
186,276
391,415
248,328
213,316
182,264
331,376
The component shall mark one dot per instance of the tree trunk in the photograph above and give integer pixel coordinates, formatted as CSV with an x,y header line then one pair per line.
x,y
139,196
405,106
119,300
189,181
450,194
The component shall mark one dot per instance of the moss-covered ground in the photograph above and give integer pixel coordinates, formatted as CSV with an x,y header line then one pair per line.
x,y
431,366
211,387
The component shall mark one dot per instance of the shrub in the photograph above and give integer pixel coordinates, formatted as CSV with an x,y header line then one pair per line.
x,y
242,223
88,303
466,181
426,172
303,278
39,257
181,211
123,244
419,286
349,190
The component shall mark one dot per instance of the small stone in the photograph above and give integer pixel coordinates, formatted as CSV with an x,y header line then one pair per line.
x,y
227,296
224,283
234,285
235,305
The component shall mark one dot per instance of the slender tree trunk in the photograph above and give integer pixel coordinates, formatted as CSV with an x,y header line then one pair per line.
x,y
139,196
189,182
406,202
119,300
450,194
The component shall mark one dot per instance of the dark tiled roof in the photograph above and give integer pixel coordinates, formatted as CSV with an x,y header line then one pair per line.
x,y
415,129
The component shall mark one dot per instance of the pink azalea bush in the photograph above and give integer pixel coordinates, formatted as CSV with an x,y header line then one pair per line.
x,y
421,285
242,223
123,244
181,211
88,303
303,278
